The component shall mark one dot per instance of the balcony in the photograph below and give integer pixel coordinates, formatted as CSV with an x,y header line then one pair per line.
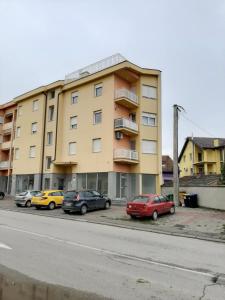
x,y
126,156
6,145
126,98
4,165
126,126
7,127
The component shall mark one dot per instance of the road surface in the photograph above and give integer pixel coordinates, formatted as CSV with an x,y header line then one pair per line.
x,y
116,263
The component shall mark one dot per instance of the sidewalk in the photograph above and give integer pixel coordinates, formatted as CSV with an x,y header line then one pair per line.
x,y
192,222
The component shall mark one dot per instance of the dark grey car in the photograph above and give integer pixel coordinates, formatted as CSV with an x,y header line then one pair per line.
x,y
24,198
83,201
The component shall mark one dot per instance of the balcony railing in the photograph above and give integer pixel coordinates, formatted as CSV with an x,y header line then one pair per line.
x,y
6,145
125,123
125,93
4,164
125,154
7,126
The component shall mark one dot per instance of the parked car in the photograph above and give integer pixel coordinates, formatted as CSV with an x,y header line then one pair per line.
x,y
2,195
24,198
149,205
83,201
50,199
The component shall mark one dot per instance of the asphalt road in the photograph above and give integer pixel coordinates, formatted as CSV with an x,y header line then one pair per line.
x,y
116,263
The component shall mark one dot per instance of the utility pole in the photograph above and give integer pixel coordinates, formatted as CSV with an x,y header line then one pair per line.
x,y
176,109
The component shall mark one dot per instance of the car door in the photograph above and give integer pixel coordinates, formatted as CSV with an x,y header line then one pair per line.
x,y
57,198
99,200
163,203
157,205
90,200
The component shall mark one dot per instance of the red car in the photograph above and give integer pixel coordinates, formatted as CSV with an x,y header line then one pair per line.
x,y
150,205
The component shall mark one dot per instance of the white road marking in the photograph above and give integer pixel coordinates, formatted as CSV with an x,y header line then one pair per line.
x,y
114,253
4,246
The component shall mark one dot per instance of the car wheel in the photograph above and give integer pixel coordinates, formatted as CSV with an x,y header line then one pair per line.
x,y
172,210
2,196
51,205
66,212
18,205
107,205
28,203
155,215
133,217
83,209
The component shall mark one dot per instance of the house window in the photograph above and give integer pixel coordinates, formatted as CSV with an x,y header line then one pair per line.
x,y
49,138
190,155
184,158
148,119
72,148
34,127
97,117
32,151
199,156
73,122
35,105
52,94
149,91
19,110
148,147
47,184
74,97
51,113
98,89
48,162
17,150
96,145
18,130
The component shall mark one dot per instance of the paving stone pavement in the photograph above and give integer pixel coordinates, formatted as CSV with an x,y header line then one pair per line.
x,y
194,222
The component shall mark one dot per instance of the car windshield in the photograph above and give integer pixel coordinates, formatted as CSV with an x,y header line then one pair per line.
x,y
70,194
95,193
140,199
23,194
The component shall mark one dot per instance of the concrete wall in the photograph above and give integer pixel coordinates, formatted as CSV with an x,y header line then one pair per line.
x,y
208,196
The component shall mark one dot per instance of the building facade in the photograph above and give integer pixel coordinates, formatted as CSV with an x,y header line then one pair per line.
x,y
99,129
202,155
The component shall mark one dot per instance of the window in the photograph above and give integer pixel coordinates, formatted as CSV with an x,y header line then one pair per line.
x,y
73,122
34,127
190,155
148,119
32,151
72,148
149,91
49,138
98,89
47,184
199,156
148,147
74,97
51,113
184,158
48,162
19,111
97,117
18,130
51,94
17,150
96,145
35,105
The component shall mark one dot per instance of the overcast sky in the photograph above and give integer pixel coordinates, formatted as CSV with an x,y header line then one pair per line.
x,y
43,40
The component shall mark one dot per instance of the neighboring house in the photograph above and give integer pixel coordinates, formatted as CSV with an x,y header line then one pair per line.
x,y
99,129
167,168
7,130
201,155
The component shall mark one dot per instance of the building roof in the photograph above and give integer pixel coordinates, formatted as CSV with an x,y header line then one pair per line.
x,y
167,164
196,180
203,143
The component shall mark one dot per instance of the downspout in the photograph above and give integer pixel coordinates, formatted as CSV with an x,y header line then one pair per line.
x,y
10,151
56,128
43,141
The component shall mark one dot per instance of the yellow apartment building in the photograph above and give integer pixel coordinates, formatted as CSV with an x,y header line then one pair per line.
x,y
100,128
7,130
201,155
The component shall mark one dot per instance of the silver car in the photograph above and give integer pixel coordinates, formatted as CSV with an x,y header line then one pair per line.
x,y
24,198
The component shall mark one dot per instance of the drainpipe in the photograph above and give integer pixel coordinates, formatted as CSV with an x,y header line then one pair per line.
x,y
10,152
43,141
56,128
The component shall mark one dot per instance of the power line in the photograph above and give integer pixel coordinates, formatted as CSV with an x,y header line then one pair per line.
x,y
196,125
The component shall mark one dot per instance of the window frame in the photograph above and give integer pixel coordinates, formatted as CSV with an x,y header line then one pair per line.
x,y
145,95
47,162
32,124
35,107
76,124
74,97
18,129
150,141
149,116
32,154
16,153
49,133
93,145
49,113
95,113
75,148
96,88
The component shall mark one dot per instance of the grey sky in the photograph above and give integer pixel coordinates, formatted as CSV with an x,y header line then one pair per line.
x,y
43,40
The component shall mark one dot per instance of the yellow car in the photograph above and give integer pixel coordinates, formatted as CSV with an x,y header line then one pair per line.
x,y
49,199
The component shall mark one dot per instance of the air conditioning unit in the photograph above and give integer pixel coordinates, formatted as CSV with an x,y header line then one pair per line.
x,y
119,135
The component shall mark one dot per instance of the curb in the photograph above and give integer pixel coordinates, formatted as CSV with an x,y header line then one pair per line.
x,y
185,235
